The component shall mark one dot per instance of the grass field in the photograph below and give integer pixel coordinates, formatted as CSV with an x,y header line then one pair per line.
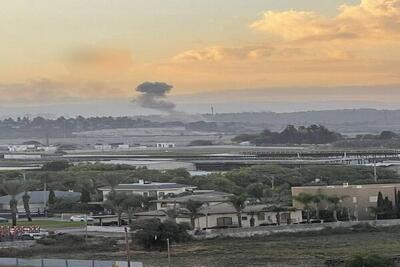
x,y
49,224
311,249
284,250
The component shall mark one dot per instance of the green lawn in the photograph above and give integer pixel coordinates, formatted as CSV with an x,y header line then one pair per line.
x,y
49,224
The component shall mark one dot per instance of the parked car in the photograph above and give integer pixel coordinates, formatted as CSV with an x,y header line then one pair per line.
x,y
81,218
33,236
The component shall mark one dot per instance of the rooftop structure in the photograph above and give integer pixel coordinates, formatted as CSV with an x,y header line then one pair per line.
x,y
149,189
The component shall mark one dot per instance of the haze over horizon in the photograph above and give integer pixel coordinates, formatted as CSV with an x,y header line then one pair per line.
x,y
87,57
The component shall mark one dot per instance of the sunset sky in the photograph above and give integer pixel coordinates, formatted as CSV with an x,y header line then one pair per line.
x,y
78,50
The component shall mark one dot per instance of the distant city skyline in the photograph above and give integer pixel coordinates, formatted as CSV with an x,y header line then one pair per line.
x,y
76,52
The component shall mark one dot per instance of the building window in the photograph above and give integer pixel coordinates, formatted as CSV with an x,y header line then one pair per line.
x,y
244,218
373,199
224,221
145,194
261,216
163,205
161,194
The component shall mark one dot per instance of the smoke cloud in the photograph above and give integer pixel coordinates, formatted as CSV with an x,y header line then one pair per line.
x,y
152,95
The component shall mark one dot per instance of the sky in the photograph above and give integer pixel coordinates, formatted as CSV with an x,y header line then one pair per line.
x,y
83,51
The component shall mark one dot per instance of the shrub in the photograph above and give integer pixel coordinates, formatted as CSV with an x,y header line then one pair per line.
x,y
153,234
369,261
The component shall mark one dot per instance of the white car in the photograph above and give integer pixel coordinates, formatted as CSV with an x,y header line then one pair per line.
x,y
81,218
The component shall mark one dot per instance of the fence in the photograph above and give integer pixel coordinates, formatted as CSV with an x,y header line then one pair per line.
x,y
64,263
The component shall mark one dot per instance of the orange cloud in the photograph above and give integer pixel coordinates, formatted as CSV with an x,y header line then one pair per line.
x,y
371,19
218,53
359,45
100,63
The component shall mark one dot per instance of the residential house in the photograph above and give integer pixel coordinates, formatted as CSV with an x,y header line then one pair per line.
x,y
149,189
209,197
38,200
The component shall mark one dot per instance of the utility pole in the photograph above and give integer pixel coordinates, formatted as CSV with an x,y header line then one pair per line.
x,y
375,172
86,227
169,253
44,196
128,256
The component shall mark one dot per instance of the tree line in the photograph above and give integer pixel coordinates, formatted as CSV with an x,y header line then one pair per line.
x,y
313,134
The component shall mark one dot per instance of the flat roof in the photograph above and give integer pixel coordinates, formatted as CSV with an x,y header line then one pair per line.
x,y
148,186
347,186
214,196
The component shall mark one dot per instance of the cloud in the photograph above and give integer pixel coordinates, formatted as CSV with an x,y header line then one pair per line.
x,y
370,20
219,53
359,45
47,91
98,63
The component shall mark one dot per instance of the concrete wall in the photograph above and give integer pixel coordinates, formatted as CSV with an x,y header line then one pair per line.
x,y
295,228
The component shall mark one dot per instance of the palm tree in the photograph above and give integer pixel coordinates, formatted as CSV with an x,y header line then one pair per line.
x,y
115,202
305,199
193,207
26,198
317,199
13,188
335,202
239,203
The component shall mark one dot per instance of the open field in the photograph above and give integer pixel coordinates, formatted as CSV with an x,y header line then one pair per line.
x,y
291,249
305,249
49,224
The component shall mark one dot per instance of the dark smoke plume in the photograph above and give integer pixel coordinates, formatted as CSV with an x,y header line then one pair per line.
x,y
153,94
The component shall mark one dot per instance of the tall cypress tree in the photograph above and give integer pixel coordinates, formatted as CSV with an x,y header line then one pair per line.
x,y
52,197
380,206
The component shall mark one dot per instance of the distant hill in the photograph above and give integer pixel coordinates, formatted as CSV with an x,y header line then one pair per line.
x,y
346,121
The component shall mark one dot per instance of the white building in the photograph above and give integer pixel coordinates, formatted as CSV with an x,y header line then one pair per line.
x,y
165,145
224,215
149,189
102,147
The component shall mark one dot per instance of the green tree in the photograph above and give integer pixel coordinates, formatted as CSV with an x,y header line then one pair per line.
x,y
305,199
52,198
115,202
335,204
153,234
113,181
131,204
239,203
60,165
193,207
13,188
26,198
256,190
85,195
